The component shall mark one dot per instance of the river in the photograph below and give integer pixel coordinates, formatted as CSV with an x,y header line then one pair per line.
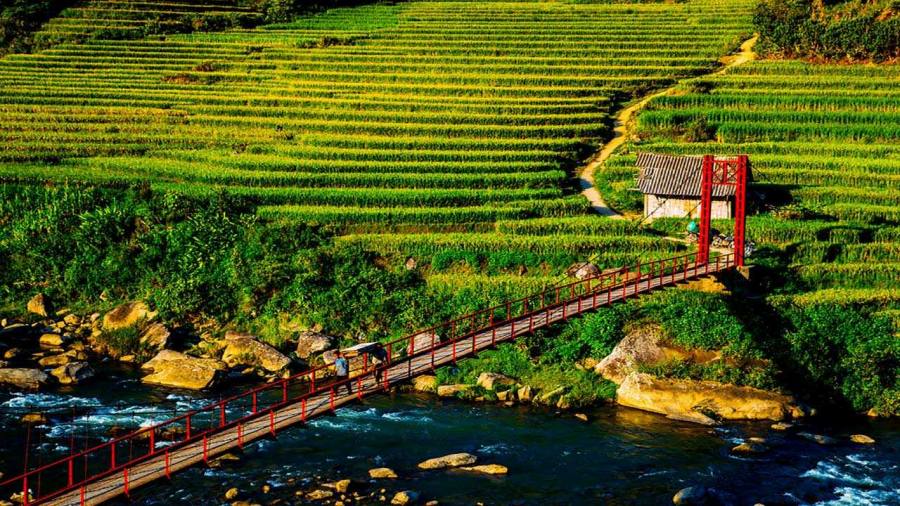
x,y
620,456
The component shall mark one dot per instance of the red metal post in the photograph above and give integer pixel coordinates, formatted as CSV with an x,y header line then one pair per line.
x,y
240,431
168,469
272,422
81,494
205,450
303,409
222,414
125,480
283,393
706,184
71,471
740,209
152,441
25,499
254,402
187,427
112,455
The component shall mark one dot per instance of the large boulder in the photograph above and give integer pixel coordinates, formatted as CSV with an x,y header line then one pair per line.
x,y
309,343
74,373
26,379
491,380
684,398
173,369
452,460
244,349
127,315
583,270
645,346
52,340
156,337
40,305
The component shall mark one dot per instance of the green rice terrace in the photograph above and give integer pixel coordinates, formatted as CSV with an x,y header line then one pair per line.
x,y
404,120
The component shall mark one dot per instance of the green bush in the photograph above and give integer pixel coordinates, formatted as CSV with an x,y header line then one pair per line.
x,y
594,335
850,356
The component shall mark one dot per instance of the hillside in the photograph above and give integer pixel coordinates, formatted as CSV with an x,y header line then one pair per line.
x,y
370,170
415,117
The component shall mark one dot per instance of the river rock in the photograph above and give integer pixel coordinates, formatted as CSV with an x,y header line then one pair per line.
x,y
382,473
452,390
340,486
750,447
782,426
729,402
318,495
71,319
173,369
525,394
51,340
40,305
405,497
452,460
550,398
310,343
495,469
696,495
232,494
818,438
506,395
491,380
55,360
581,416
130,314
26,379
425,383
156,337
34,418
243,349
15,331
73,373
862,439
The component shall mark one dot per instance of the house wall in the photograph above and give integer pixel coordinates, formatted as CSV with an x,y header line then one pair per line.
x,y
662,207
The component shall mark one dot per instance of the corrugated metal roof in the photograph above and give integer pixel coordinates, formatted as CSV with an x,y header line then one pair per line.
x,y
672,175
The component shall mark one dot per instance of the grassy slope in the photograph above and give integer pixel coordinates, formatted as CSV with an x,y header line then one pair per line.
x,y
415,117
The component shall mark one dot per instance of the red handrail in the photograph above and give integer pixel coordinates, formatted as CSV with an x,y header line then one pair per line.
x,y
576,290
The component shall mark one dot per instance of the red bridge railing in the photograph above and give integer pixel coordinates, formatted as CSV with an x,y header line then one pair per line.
x,y
74,471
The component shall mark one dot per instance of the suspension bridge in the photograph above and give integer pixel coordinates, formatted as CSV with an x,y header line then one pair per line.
x,y
118,466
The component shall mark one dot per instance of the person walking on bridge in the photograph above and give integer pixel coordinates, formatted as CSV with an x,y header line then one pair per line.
x,y
342,370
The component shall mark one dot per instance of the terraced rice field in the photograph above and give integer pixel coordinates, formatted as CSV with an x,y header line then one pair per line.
x,y
823,141
390,123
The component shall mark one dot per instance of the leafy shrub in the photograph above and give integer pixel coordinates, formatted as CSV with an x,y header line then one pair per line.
x,y
594,335
851,357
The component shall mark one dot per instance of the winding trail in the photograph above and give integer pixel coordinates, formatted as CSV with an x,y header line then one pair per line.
x,y
625,125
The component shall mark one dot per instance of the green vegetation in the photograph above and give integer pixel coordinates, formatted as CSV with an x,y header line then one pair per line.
x,y
854,30
390,124
374,169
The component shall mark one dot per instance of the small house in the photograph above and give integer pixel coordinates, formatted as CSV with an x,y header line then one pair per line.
x,y
671,187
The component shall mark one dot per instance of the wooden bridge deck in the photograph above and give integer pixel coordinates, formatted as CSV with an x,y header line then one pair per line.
x,y
162,463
